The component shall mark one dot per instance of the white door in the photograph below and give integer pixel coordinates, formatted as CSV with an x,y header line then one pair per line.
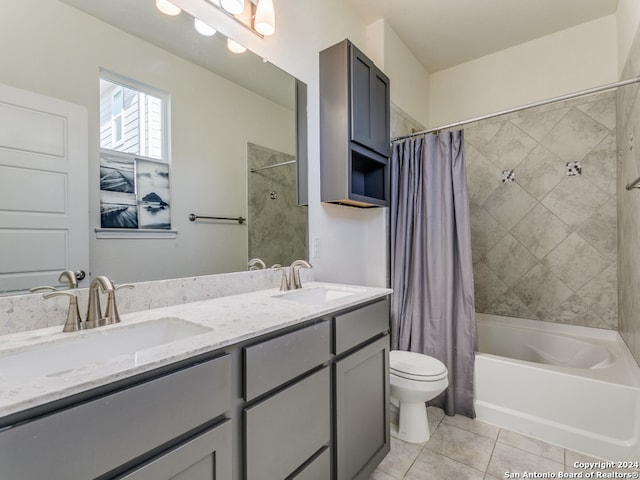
x,y
44,217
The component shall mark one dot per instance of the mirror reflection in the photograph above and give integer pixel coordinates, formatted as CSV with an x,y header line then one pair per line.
x,y
231,143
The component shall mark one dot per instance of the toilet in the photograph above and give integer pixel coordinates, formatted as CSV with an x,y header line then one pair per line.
x,y
414,379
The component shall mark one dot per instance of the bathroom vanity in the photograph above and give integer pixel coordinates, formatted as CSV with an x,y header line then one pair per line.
x,y
264,385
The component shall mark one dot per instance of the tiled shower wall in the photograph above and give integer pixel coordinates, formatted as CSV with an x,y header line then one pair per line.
x,y
278,226
628,113
545,244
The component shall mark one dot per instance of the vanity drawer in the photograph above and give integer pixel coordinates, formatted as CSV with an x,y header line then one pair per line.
x,y
285,430
273,362
93,438
358,326
318,469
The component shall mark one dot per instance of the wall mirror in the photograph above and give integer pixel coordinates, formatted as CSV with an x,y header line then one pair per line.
x,y
233,117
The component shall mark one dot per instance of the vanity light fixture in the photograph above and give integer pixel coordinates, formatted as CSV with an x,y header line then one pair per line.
x,y
265,21
234,7
167,7
235,47
203,28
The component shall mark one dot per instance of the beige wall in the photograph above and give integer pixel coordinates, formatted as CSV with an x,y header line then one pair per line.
x,y
574,59
409,78
628,19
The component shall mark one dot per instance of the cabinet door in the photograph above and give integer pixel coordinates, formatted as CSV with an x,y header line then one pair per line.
x,y
205,457
286,429
362,410
369,104
121,426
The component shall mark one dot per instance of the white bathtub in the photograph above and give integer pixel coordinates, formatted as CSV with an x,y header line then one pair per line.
x,y
575,387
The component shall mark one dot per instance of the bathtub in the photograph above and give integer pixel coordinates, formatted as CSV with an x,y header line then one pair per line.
x,y
571,386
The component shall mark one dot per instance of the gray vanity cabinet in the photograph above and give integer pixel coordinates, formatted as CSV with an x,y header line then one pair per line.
x,y
109,434
207,456
361,391
354,128
304,403
287,420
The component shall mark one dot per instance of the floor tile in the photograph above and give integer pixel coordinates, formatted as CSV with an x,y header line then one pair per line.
x,y
400,458
572,458
506,458
433,466
435,416
473,426
461,445
378,475
532,445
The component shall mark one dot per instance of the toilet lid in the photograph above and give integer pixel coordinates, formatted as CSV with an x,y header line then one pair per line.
x,y
416,366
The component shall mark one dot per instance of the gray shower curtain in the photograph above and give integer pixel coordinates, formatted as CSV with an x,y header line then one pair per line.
x,y
432,309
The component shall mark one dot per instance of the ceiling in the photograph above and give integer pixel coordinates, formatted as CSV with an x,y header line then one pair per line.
x,y
177,35
444,33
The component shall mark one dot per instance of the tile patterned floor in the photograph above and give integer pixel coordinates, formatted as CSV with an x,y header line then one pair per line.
x,y
461,448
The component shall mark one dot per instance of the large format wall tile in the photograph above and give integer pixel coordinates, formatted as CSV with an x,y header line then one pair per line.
x,y
628,162
541,231
575,262
574,200
575,136
541,171
545,245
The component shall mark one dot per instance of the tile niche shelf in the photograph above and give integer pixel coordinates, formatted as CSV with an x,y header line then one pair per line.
x,y
354,128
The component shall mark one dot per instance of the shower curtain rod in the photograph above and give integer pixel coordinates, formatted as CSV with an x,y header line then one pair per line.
x,y
254,170
568,96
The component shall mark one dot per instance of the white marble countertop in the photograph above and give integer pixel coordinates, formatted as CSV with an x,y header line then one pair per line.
x,y
231,320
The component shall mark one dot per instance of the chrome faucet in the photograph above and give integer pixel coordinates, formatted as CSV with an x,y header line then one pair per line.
x,y
295,267
94,311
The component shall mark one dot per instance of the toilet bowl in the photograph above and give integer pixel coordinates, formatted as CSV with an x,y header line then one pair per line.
x,y
414,379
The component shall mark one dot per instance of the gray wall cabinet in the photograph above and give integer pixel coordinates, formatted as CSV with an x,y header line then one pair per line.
x,y
308,402
354,128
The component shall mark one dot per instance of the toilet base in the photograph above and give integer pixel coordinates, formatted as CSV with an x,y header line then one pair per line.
x,y
412,425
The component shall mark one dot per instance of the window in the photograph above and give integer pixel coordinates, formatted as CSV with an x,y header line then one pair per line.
x,y
134,158
117,109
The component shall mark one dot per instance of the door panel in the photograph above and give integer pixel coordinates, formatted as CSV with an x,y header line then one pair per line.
x,y
44,221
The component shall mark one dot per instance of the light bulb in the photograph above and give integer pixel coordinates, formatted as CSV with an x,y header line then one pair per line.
x,y
203,28
233,6
167,7
265,21
235,47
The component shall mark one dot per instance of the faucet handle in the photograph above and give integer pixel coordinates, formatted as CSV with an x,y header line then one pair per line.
x,y
112,314
285,284
43,288
74,321
256,264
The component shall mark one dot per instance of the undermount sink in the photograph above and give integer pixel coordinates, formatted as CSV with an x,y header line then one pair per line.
x,y
61,355
319,295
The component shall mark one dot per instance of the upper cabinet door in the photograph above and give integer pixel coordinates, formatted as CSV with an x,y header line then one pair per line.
x,y
369,104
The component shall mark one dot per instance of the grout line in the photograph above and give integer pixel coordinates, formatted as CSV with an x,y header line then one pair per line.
x,y
486,472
